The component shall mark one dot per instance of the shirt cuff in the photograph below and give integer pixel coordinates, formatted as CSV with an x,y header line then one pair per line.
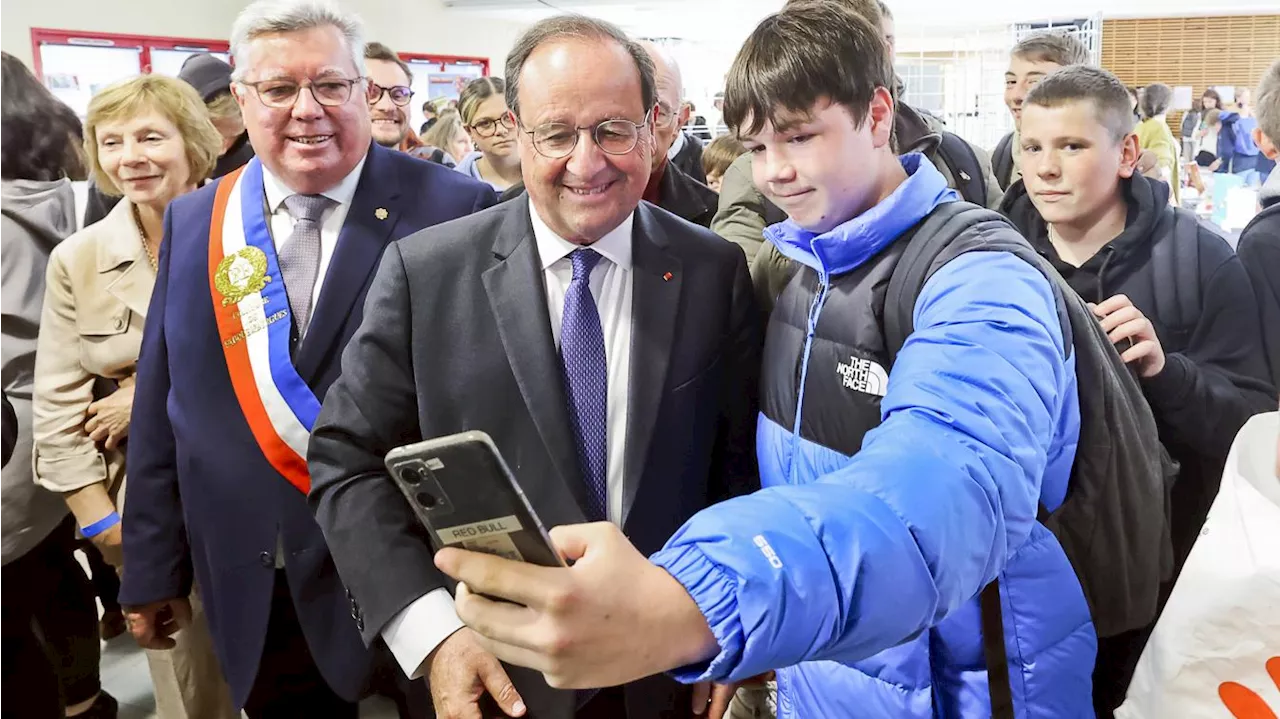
x,y
419,628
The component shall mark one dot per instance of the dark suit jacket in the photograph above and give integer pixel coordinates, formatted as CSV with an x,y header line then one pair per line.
x,y
689,159
462,340
8,429
201,496
687,198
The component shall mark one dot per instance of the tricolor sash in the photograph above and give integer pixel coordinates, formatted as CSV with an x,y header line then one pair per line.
x,y
254,324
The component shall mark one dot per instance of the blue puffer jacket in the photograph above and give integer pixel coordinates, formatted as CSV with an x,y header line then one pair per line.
x,y
857,576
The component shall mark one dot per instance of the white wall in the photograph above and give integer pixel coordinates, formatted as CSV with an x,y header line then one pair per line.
x,y
424,26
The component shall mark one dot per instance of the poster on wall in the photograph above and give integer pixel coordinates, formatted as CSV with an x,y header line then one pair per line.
x,y
1227,93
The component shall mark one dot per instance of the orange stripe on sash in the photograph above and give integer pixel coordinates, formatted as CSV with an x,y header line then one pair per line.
x,y
277,452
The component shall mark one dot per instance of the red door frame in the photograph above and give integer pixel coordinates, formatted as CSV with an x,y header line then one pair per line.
x,y
144,43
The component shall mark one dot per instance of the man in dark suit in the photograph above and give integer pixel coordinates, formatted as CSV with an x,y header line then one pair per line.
x,y
672,187
262,279
609,348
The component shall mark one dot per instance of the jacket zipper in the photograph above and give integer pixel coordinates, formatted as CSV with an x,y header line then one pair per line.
x,y
815,309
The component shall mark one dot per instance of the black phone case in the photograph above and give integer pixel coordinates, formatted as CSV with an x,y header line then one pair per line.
x,y
465,496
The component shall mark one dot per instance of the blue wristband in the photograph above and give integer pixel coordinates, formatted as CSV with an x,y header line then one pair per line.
x,y
101,525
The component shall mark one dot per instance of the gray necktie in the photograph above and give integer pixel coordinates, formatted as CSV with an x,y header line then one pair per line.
x,y
300,258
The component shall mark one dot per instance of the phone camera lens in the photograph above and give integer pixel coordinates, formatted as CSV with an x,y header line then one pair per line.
x,y
426,499
412,475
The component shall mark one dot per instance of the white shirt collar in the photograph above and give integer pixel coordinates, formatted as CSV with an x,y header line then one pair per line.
x,y
341,193
676,146
615,246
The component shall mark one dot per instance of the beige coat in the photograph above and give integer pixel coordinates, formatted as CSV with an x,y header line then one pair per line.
x,y
98,287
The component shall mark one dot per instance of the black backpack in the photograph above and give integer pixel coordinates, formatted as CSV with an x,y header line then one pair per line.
x,y
1114,522
1002,161
1178,303
970,180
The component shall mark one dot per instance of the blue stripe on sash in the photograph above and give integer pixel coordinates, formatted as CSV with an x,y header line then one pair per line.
x,y
257,234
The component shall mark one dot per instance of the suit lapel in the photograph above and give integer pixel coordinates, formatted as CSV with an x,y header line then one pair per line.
x,y
655,305
517,294
373,214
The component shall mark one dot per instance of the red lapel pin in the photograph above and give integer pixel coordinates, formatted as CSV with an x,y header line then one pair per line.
x,y
667,277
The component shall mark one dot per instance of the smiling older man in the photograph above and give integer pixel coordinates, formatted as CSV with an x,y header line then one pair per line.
x,y
261,283
608,347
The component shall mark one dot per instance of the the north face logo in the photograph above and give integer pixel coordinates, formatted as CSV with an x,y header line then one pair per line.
x,y
864,376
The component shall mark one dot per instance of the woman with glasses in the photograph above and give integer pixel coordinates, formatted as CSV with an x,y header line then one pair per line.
x,y
492,128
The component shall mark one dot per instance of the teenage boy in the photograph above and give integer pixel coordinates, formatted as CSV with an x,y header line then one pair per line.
x,y
890,504
744,211
1259,246
1112,234
1029,61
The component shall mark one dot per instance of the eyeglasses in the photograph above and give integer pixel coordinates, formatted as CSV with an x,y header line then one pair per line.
x,y
400,95
666,116
615,137
329,92
488,127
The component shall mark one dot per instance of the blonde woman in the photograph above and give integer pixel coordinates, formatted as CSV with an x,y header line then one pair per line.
x,y
493,130
150,140
449,135
211,77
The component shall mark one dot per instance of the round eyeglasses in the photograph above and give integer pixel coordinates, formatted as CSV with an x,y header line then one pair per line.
x,y
556,140
488,127
400,94
330,92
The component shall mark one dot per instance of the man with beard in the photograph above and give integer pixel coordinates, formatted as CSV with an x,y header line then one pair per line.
x,y
390,91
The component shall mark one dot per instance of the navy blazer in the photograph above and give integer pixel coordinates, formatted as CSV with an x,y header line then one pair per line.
x,y
203,502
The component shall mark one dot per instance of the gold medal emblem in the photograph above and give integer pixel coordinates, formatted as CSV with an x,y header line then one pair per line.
x,y
381,213
241,274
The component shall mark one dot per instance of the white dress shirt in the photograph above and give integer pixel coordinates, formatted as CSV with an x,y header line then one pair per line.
x,y
676,146
330,226
330,222
419,628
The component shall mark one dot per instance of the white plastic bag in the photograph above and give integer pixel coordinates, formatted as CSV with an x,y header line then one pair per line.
x,y
1215,653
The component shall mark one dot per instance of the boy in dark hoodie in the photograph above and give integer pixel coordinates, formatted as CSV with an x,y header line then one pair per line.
x,y
1259,247
1083,206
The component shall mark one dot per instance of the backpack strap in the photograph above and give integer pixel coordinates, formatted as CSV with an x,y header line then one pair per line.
x,y
966,171
926,243
995,653
1175,265
1002,161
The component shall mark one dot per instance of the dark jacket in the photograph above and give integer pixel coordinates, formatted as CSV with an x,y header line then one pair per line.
x,y
689,159
1215,376
1259,252
98,203
686,197
10,435
690,439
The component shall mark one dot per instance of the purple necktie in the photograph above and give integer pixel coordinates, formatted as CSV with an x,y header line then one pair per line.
x,y
586,381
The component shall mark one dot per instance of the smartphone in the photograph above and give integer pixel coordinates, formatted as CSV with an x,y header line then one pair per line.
x,y
465,496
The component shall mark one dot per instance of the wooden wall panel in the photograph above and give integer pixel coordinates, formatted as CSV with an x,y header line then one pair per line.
x,y
1196,51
